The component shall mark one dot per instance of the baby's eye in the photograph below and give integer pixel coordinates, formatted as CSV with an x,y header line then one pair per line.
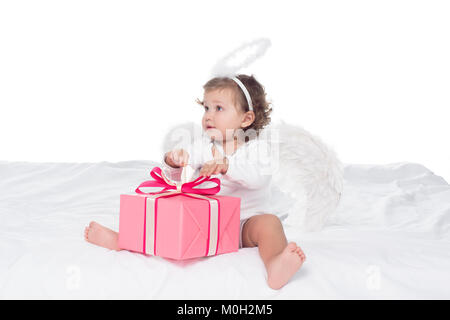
x,y
206,108
219,108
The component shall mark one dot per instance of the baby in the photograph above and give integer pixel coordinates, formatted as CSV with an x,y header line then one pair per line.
x,y
235,110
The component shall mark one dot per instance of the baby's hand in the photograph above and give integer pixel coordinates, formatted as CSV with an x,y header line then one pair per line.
x,y
177,158
215,166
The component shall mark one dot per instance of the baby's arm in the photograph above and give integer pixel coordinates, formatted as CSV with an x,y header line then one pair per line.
x,y
252,169
249,174
218,165
173,163
176,158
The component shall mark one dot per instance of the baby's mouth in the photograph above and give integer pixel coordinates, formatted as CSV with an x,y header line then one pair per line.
x,y
209,127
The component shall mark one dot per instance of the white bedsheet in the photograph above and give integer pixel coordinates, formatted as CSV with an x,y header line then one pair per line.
x,y
390,238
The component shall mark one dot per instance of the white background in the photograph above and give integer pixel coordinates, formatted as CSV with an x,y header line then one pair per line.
x,y
104,80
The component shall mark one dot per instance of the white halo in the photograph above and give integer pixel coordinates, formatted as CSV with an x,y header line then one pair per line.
x,y
240,58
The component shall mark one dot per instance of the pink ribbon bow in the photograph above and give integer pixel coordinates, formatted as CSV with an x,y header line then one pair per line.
x,y
160,180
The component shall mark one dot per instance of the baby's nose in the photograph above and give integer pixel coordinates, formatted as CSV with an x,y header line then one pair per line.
x,y
208,116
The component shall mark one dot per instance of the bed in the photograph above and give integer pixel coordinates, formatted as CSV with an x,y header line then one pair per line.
x,y
389,238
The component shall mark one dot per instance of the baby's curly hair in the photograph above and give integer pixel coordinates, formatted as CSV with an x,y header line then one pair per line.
x,y
261,107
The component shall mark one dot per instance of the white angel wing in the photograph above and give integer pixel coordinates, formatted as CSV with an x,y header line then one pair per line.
x,y
308,171
305,170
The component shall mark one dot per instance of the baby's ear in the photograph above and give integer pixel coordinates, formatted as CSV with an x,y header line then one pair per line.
x,y
249,118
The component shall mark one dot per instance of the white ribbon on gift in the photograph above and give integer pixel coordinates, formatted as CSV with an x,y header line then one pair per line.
x,y
151,211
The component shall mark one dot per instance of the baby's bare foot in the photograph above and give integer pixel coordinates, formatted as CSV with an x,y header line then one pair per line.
x,y
282,267
101,236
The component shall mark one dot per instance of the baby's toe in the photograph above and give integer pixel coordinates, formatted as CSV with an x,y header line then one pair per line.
x,y
292,246
300,252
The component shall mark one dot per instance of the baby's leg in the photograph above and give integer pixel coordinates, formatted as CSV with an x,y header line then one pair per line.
x,y
282,260
101,236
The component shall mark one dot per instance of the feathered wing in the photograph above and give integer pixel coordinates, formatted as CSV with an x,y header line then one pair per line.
x,y
304,168
309,171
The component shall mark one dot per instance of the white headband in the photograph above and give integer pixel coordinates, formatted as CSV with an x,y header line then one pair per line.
x,y
244,89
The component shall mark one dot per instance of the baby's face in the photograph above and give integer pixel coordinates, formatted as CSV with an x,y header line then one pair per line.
x,y
222,117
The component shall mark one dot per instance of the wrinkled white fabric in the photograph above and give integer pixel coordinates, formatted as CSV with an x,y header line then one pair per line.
x,y
388,239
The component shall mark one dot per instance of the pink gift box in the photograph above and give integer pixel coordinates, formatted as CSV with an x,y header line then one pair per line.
x,y
181,226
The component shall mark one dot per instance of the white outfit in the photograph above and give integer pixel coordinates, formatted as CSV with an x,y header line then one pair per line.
x,y
248,176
